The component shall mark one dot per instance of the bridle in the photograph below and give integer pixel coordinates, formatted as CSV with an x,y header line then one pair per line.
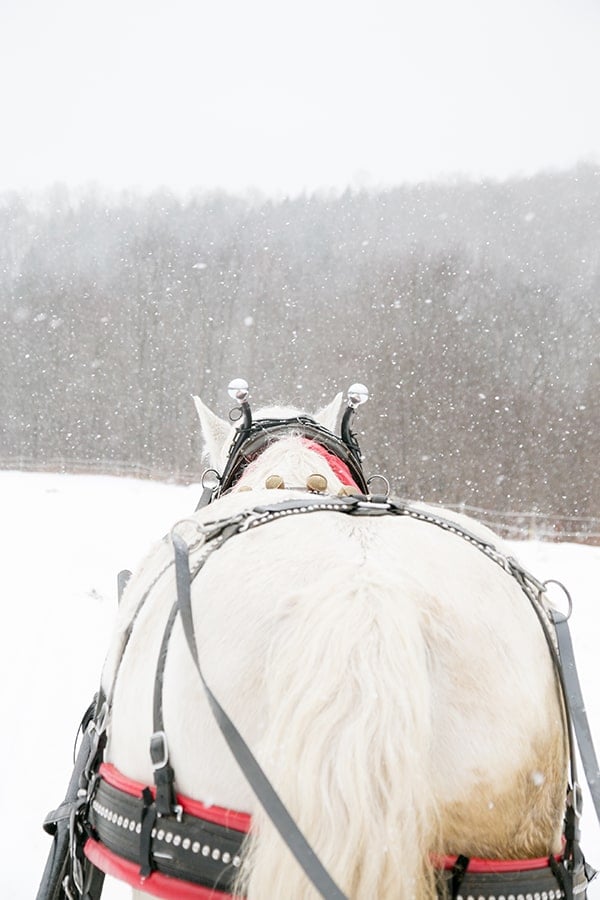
x,y
252,437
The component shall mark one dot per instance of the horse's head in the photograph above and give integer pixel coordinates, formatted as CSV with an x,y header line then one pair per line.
x,y
228,448
218,434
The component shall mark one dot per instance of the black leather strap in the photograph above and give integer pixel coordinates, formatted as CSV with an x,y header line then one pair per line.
x,y
66,827
576,704
458,873
159,750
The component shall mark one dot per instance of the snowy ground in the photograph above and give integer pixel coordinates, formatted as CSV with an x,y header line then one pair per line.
x,y
65,538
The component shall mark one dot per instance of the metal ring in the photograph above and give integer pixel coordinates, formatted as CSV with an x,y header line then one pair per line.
x,y
210,472
382,478
565,592
191,521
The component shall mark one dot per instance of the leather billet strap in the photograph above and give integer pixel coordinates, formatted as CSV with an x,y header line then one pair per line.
x,y
576,705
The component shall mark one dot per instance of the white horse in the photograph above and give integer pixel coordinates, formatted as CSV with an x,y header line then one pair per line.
x,y
393,682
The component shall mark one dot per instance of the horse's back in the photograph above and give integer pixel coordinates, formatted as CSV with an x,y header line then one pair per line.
x,y
351,626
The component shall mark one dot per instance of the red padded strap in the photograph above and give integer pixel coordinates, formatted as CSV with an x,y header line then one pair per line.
x,y
337,465
229,818
156,884
494,865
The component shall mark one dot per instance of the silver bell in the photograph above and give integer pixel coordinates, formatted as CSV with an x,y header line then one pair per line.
x,y
238,390
357,395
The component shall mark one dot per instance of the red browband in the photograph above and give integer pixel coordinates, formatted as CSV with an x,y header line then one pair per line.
x,y
337,465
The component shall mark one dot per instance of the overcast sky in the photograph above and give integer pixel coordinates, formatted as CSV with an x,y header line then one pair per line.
x,y
286,96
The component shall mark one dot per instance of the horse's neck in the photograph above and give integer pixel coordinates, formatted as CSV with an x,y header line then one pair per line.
x,y
294,461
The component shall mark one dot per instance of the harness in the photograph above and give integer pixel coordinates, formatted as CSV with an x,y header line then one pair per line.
x,y
175,847
253,436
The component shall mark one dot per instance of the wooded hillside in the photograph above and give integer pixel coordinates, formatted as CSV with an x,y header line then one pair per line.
x,y
472,312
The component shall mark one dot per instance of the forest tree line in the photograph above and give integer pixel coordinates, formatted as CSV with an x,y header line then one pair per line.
x,y
471,311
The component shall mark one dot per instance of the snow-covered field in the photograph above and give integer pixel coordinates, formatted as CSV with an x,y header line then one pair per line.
x,y
64,539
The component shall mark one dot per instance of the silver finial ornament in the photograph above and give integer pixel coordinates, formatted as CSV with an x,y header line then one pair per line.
x,y
238,390
357,395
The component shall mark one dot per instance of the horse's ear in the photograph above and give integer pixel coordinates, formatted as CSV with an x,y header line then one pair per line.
x,y
329,415
215,431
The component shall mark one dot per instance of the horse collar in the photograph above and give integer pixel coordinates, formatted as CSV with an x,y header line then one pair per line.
x,y
202,848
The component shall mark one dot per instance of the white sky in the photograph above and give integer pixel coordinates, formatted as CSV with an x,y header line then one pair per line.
x,y
289,96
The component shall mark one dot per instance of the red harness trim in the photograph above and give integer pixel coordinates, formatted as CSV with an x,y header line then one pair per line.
x,y
494,866
156,884
337,465
229,818
168,888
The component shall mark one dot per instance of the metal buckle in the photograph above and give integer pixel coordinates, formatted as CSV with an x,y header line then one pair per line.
x,y
76,867
159,750
66,886
576,799
373,505
202,529
100,726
